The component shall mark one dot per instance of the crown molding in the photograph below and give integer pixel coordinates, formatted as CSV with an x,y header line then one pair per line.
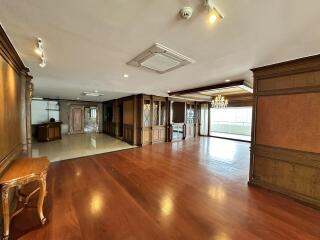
x,y
10,55
292,67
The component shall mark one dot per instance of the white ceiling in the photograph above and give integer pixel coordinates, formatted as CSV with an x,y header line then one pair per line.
x,y
88,43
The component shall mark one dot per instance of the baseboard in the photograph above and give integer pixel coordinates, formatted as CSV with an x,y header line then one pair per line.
x,y
305,200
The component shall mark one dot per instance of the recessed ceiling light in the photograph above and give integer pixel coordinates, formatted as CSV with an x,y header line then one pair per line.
x,y
78,98
228,80
125,75
169,91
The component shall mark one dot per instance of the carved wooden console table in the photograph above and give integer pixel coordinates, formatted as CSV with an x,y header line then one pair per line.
x,y
19,173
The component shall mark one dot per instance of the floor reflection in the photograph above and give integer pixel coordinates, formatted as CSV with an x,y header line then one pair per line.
x,y
78,145
166,205
96,203
217,193
223,150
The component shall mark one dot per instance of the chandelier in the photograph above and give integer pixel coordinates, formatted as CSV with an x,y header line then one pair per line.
x,y
219,102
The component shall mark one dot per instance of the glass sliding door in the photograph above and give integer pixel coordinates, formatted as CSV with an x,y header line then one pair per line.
x,y
231,122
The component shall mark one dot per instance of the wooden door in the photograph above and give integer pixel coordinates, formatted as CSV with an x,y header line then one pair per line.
x,y
76,119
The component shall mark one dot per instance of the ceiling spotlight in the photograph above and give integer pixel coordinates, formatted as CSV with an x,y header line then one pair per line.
x,y
125,75
228,80
168,91
214,12
43,63
78,98
40,51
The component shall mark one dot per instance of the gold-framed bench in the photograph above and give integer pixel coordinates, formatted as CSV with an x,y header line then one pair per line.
x,y
23,171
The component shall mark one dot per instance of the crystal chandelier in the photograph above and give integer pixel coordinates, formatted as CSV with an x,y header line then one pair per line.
x,y
219,102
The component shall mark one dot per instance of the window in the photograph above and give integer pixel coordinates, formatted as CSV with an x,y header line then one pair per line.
x,y
190,114
233,122
155,113
163,114
93,113
147,113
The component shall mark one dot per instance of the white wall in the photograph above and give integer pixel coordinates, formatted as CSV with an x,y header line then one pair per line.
x,y
40,112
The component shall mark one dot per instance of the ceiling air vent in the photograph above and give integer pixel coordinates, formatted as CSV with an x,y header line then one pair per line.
x,y
160,59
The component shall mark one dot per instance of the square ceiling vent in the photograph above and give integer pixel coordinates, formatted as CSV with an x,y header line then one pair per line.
x,y
160,59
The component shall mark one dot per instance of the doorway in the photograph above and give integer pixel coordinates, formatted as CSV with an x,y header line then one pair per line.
x,y
90,119
76,120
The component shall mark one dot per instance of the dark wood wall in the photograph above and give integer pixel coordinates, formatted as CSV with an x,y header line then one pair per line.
x,y
15,83
286,131
146,119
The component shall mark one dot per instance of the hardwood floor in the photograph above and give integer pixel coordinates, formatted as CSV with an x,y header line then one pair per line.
x,y
187,190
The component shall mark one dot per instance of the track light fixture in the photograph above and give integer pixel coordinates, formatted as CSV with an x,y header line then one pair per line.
x,y
40,51
214,13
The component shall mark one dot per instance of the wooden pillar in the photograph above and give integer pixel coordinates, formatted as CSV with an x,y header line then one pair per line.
x,y
28,100
23,110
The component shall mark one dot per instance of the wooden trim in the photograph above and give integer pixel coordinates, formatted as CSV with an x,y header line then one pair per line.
x,y
135,119
303,158
253,127
311,202
209,87
297,66
288,91
8,52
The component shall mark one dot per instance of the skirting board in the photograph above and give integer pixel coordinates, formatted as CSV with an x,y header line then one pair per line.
x,y
310,202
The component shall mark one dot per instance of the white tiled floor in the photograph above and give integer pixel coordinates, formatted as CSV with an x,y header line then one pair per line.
x,y
79,145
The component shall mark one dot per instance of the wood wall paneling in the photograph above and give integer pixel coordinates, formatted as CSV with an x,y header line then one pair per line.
x,y
289,121
285,154
142,126
14,99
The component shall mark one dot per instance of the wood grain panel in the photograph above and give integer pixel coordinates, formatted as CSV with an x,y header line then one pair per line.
x,y
294,173
10,110
159,134
289,121
285,154
76,119
147,135
128,112
128,133
302,82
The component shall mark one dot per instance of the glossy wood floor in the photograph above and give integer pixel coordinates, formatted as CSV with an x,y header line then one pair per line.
x,y
188,190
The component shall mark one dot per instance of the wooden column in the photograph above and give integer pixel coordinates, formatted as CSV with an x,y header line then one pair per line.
x,y
29,92
23,99
285,151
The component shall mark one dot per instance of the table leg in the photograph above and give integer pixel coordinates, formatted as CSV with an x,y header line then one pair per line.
x,y
6,212
42,194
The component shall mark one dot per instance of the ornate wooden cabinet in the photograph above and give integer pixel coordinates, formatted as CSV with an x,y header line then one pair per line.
x,y
153,120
